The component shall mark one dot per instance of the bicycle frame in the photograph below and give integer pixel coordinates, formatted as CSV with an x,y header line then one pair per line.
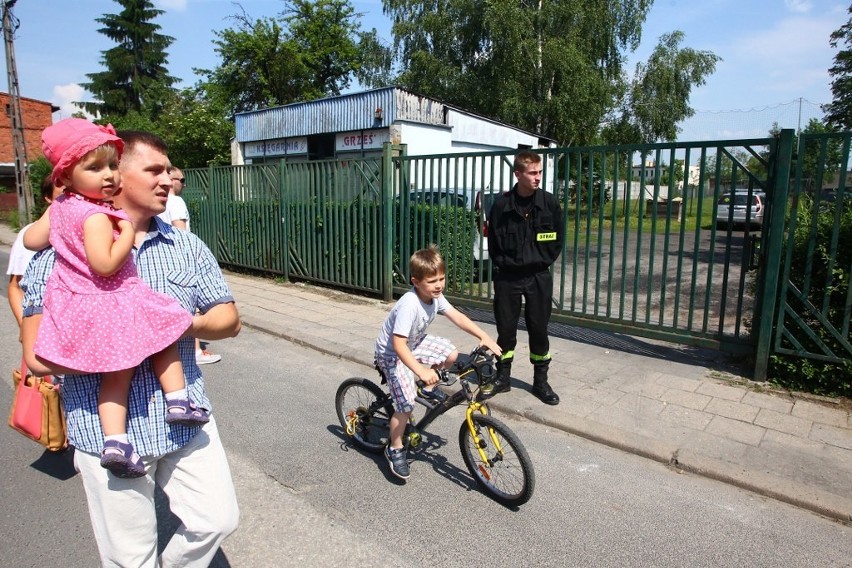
x,y
434,410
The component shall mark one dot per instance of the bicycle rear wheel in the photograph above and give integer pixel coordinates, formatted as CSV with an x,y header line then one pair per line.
x,y
364,411
507,475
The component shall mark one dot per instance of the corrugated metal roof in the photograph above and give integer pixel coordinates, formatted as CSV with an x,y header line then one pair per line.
x,y
346,113
333,114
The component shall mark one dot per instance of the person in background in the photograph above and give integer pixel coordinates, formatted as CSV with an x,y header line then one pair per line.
x,y
20,256
188,463
525,234
177,214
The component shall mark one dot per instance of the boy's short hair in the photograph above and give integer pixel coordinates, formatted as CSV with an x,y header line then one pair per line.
x,y
426,262
524,159
47,188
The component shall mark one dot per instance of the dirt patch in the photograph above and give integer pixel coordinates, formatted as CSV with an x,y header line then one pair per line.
x,y
839,402
336,295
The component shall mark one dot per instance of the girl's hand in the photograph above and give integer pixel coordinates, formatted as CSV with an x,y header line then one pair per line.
x,y
122,225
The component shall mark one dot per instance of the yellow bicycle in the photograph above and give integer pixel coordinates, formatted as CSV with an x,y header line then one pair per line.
x,y
492,452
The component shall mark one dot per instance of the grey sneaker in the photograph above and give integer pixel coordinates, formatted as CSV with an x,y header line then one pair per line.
x,y
398,462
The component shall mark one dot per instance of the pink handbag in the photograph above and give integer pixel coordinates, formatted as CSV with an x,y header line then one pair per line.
x,y
37,410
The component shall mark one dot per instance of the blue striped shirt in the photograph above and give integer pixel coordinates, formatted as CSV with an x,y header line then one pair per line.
x,y
178,264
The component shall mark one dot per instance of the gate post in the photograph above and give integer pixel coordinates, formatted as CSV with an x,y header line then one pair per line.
x,y
768,286
386,279
213,199
284,212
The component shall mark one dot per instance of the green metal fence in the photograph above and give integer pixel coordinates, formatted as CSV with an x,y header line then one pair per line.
x,y
815,299
648,251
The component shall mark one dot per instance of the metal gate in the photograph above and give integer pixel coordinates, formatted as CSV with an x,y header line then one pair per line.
x,y
815,297
648,251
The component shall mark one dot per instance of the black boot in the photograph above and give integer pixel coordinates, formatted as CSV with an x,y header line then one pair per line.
x,y
541,388
502,380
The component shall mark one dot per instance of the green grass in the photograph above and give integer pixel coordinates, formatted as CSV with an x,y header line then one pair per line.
x,y
633,221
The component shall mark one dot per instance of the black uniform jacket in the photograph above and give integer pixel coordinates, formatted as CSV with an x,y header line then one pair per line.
x,y
525,245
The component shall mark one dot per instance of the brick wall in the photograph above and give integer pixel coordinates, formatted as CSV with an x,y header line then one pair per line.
x,y
37,115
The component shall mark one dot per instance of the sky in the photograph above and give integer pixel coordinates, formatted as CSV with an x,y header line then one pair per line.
x,y
775,53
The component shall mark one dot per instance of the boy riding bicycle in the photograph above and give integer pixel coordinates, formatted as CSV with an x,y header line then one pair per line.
x,y
406,354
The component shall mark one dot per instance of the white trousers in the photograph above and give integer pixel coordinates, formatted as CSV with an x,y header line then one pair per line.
x,y
197,481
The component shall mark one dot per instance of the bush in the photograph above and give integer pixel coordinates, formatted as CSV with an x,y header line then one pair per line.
x,y
39,169
450,228
819,286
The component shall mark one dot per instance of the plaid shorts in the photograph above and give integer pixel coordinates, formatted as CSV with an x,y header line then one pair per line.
x,y
432,351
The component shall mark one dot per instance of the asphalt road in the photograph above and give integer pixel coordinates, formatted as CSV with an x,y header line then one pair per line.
x,y
592,506
309,499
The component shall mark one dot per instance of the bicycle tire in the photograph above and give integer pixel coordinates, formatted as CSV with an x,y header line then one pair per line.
x,y
509,478
366,423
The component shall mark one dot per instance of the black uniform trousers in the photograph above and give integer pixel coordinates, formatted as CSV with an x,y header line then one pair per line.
x,y
537,292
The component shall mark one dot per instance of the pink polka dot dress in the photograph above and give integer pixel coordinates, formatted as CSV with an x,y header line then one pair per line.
x,y
96,324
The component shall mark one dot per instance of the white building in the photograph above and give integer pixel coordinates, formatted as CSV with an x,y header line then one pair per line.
x,y
359,124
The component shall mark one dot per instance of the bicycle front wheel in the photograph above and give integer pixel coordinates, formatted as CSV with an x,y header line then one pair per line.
x,y
364,411
506,473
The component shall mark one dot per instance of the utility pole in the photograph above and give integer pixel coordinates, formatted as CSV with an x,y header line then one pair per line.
x,y
22,178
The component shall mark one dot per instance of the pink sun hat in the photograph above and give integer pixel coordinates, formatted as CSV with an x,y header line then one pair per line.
x,y
65,142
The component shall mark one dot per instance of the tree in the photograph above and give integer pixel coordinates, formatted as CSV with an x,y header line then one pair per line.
x,y
838,113
135,78
260,66
816,152
312,50
552,66
197,129
659,95
324,32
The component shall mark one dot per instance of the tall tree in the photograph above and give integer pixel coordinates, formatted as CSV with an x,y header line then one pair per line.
x,y
325,32
197,130
261,66
312,50
839,111
659,95
552,66
135,78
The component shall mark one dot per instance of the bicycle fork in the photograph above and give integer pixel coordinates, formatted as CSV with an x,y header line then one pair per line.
x,y
479,441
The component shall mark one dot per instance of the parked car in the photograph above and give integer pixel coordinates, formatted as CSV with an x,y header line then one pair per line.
x,y
746,208
478,201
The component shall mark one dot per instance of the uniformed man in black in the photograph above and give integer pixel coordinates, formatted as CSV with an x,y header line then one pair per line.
x,y
525,234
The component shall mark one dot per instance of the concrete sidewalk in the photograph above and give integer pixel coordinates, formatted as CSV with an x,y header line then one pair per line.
x,y
678,405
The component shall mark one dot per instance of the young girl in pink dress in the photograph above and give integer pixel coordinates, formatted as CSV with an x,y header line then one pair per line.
x,y
99,316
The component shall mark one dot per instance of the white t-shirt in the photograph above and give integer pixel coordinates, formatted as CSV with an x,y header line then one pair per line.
x,y
20,256
409,318
176,210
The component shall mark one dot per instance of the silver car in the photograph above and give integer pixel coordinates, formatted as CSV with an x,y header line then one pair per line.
x,y
740,207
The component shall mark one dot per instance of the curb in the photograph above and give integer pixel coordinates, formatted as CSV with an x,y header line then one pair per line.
x,y
681,459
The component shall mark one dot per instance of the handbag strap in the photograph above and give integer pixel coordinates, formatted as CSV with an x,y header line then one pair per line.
x,y
47,378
